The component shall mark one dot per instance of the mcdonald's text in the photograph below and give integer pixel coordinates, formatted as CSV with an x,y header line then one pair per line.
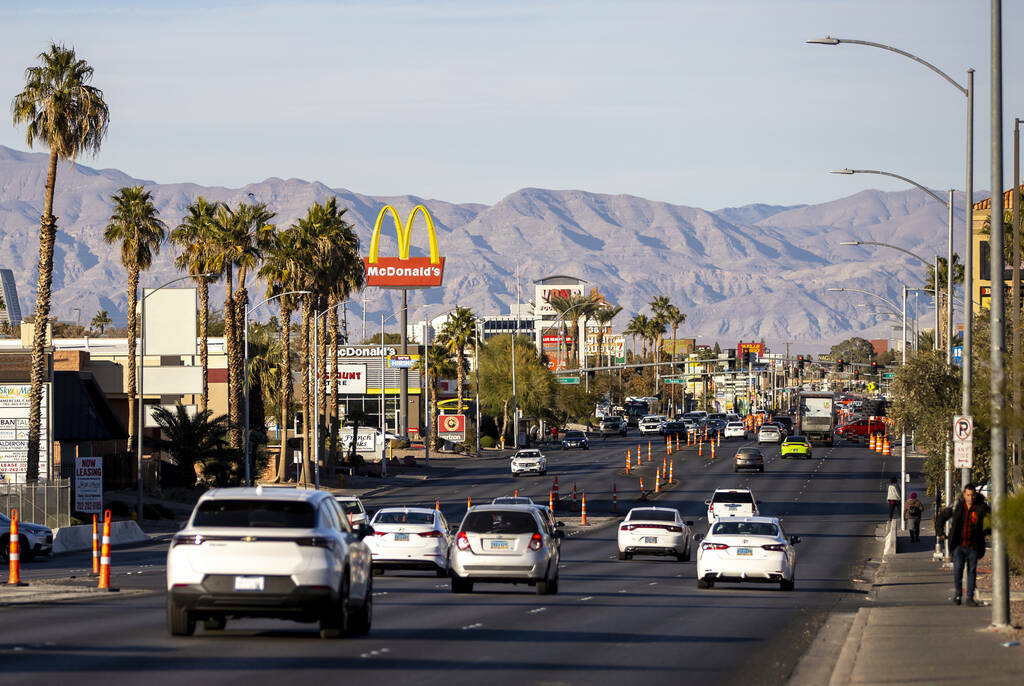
x,y
413,272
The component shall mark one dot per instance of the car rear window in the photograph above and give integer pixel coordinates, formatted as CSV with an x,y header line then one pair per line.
x,y
796,439
745,529
500,522
748,451
404,518
350,507
653,515
574,434
733,497
270,514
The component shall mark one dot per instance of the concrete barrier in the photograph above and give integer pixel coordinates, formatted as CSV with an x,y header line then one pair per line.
x,y
68,539
890,539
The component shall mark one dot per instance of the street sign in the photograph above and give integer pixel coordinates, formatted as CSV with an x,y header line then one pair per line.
x,y
958,355
403,361
963,441
567,379
452,427
89,485
674,380
889,375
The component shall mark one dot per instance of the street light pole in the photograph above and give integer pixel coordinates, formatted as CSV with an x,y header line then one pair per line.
x,y
142,363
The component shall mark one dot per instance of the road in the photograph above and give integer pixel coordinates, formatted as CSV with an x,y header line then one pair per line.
x,y
612,621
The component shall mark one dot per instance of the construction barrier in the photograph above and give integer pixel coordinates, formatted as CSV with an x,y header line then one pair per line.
x,y
887,448
583,512
104,584
14,554
871,442
95,546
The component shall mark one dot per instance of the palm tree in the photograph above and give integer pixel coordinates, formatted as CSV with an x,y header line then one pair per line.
x,y
674,317
642,325
442,364
604,316
659,307
196,237
100,321
70,117
580,306
634,329
191,441
458,332
136,225
656,333
943,299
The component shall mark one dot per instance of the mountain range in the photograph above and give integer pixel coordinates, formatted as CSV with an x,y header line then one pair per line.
x,y
741,273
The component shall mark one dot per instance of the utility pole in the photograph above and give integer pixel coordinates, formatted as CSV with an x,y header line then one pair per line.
x,y
1018,388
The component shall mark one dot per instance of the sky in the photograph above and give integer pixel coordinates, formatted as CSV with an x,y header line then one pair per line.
x,y
708,103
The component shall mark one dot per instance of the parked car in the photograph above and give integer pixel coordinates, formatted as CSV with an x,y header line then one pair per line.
x,y
611,425
282,553
731,502
796,446
655,531
748,458
409,538
735,430
575,439
746,549
505,544
529,461
652,424
33,539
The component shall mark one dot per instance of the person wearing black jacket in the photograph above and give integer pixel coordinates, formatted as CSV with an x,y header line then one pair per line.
x,y
966,539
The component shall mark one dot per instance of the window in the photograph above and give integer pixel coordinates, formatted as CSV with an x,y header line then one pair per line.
x,y
272,514
500,522
745,529
350,507
329,516
404,518
648,515
743,497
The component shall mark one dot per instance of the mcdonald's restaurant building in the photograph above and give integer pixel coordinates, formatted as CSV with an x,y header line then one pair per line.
x,y
359,385
981,265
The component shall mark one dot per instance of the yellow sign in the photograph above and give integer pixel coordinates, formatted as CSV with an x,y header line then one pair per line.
x,y
403,271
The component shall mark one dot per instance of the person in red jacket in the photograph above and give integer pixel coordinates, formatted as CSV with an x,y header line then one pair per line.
x,y
966,540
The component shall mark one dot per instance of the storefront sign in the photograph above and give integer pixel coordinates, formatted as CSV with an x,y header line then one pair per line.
x,y
351,378
14,411
452,427
403,271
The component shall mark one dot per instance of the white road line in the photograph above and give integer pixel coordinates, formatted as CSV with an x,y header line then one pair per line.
x,y
472,626
589,597
537,610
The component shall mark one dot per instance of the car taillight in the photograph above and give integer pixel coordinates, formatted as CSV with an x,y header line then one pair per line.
x,y
775,547
186,540
674,529
381,533
536,542
430,534
462,541
713,546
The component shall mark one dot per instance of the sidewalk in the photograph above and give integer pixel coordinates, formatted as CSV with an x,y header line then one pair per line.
x,y
913,633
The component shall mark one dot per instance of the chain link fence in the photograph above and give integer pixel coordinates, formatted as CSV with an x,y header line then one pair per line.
x,y
48,504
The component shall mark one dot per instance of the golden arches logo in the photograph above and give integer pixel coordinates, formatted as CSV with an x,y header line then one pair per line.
x,y
403,271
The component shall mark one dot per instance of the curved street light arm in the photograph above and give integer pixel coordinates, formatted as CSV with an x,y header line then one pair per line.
x,y
828,40
894,247
888,302
895,176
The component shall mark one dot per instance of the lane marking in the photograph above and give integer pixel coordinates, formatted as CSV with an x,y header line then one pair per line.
x,y
589,597
472,626
537,610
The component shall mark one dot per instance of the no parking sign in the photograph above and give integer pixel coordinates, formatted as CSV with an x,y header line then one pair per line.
x,y
963,441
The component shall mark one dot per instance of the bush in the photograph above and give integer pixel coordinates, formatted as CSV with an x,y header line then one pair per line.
x,y
487,442
1013,525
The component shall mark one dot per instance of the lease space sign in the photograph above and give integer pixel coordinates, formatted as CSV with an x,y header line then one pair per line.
x,y
89,484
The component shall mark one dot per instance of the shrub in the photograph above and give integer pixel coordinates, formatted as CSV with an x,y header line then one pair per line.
x,y
1013,525
487,442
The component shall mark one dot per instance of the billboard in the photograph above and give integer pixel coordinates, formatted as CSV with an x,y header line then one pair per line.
x,y
452,427
543,293
753,348
14,411
351,378
403,271
169,321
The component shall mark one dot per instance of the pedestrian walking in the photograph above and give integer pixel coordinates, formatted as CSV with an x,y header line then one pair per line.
x,y
893,496
966,540
912,511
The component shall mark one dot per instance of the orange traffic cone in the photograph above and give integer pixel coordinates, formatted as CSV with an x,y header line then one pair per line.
x,y
583,513
14,555
96,546
469,502
700,448
648,451
712,450
437,504
551,500
671,480
628,465
657,481
516,493
677,441
104,584
641,485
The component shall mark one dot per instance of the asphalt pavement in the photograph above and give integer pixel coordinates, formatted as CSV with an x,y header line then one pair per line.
x,y
612,621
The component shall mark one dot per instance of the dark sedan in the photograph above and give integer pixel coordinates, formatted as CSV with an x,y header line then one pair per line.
x,y
575,439
749,458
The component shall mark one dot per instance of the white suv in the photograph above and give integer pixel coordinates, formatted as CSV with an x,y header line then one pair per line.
x,y
731,502
278,552
530,461
652,424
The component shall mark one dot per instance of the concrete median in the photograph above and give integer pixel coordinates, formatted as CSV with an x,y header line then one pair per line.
x,y
69,539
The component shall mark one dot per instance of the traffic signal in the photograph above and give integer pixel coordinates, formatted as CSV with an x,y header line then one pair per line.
x,y
874,367
840,365
800,361
856,374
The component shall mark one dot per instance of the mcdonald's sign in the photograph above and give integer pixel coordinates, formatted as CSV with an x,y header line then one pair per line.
x,y
403,271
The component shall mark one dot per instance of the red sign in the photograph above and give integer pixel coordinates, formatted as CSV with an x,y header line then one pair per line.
x,y
452,427
755,348
413,272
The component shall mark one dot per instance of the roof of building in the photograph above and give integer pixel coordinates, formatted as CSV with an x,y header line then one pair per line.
x,y
560,280
1007,200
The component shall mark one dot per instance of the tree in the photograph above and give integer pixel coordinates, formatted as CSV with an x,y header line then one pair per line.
x,y
958,279
441,364
535,385
100,321
635,328
642,325
196,444
135,225
604,316
655,334
853,350
458,332
196,237
70,117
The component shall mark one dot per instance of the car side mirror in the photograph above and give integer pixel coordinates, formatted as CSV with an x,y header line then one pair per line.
x,y
362,530
689,522
793,540
707,502
698,538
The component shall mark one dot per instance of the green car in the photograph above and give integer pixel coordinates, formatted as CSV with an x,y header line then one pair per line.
x,y
796,446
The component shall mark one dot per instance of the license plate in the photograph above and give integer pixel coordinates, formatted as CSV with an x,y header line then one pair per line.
x,y
744,551
497,545
401,537
650,539
248,583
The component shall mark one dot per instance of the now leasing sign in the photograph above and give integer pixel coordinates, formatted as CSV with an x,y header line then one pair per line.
x,y
89,485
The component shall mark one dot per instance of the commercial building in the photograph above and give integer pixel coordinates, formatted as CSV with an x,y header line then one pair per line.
x,y
981,266
10,309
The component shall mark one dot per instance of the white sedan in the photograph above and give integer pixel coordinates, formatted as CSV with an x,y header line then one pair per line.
x,y
769,433
747,549
655,531
409,538
735,430
353,509
529,462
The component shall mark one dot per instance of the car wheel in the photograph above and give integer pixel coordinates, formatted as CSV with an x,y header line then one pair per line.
x,y
786,585
687,554
460,585
215,623
27,554
623,555
361,620
705,583
334,624
180,621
